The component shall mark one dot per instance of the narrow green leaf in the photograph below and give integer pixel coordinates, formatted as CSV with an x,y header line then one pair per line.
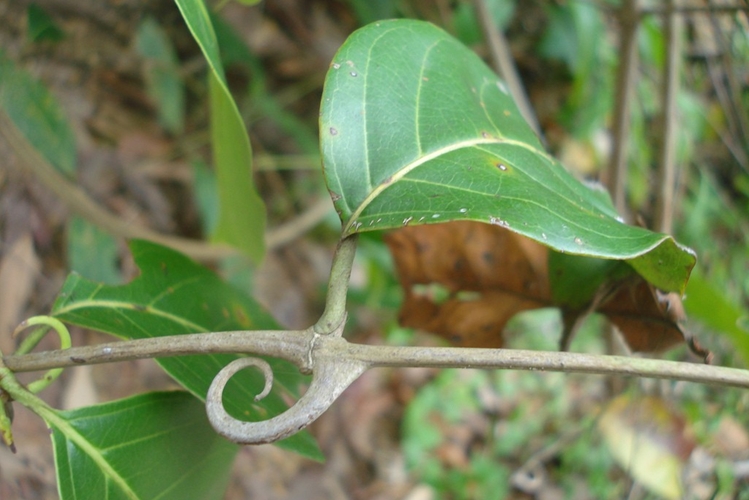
x,y
162,75
242,213
172,296
154,445
35,112
416,129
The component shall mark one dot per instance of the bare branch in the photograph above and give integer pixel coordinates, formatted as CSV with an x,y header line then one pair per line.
x,y
503,63
666,185
81,203
625,82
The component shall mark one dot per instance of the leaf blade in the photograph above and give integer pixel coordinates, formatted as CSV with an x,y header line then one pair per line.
x,y
242,212
109,446
174,295
415,129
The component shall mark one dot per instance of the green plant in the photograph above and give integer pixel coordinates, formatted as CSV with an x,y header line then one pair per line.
x,y
389,162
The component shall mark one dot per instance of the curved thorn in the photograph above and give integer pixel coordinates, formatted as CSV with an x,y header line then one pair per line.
x,y
330,377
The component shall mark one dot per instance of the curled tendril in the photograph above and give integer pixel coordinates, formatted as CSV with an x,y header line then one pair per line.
x,y
330,377
46,322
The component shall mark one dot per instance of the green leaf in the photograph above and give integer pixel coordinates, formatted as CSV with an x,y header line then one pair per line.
x,y
92,252
712,307
155,445
41,26
415,129
575,279
242,213
35,112
172,296
162,74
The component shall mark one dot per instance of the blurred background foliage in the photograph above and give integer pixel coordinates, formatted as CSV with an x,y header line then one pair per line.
x,y
121,88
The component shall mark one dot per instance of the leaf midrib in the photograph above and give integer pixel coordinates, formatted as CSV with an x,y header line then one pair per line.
x,y
409,167
71,433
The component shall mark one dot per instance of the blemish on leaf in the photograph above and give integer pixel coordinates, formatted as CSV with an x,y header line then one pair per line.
x,y
502,87
436,216
241,316
387,181
407,220
507,112
425,79
499,222
485,135
336,66
462,210
334,196
502,167
421,218
578,241
354,74
333,131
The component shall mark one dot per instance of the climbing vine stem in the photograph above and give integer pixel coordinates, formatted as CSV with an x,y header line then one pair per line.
x,y
336,363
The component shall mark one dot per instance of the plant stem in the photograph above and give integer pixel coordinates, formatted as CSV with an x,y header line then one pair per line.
x,y
77,200
626,79
335,364
287,344
294,345
664,209
503,63
340,272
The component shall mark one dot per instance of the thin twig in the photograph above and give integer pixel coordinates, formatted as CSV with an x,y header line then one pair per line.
x,y
81,203
625,82
736,108
504,64
287,232
690,9
666,185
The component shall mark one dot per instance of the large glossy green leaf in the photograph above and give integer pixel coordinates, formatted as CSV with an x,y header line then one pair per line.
x,y
154,445
242,212
172,296
416,129
36,113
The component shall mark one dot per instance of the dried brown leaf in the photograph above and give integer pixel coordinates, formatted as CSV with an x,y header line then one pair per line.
x,y
465,280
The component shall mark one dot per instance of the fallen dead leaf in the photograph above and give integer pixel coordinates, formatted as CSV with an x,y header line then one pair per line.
x,y
465,280
649,440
